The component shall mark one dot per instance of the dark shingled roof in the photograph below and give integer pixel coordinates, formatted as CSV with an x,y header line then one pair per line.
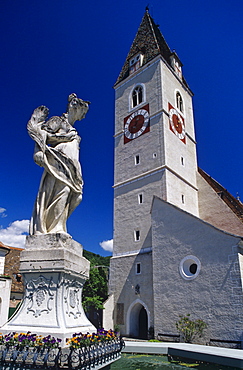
x,y
150,42
234,204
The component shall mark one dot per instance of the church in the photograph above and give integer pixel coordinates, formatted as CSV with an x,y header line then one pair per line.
x,y
178,233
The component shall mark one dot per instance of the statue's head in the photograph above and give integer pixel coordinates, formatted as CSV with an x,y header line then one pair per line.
x,y
77,107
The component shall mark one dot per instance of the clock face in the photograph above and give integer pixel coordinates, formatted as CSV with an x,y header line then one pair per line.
x,y
136,124
177,124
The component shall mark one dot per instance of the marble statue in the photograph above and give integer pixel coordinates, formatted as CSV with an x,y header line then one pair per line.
x,y
57,151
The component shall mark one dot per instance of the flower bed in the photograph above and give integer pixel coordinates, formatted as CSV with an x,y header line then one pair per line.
x,y
82,351
77,341
80,340
29,340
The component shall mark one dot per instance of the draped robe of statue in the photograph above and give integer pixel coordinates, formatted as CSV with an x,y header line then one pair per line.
x,y
60,191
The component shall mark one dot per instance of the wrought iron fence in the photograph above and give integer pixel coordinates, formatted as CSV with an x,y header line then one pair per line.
x,y
97,354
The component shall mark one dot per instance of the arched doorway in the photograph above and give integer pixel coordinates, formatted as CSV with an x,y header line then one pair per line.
x,y
137,320
143,324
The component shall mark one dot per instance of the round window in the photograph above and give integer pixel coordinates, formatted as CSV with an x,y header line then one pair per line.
x,y
190,267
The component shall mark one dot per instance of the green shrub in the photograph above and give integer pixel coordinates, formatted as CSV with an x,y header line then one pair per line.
x,y
189,329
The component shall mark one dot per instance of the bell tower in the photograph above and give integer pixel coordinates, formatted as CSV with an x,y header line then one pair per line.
x,y
155,148
155,155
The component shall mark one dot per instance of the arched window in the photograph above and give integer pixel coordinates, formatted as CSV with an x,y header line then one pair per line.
x,y
179,101
137,96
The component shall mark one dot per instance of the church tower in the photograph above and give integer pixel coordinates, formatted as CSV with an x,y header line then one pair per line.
x,y
176,248
155,149
155,153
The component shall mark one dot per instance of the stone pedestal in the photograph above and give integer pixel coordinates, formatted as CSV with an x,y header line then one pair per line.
x,y
54,272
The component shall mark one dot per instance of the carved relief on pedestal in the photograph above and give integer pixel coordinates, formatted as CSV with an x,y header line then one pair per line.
x,y
73,298
40,295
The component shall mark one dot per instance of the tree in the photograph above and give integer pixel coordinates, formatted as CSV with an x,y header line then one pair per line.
x,y
95,290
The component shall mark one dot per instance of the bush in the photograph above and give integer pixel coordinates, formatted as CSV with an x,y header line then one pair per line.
x,y
190,328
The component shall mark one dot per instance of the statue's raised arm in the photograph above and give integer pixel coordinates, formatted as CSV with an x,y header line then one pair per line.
x,y
57,151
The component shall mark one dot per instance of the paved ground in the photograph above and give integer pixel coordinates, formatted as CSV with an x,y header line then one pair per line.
x,y
217,355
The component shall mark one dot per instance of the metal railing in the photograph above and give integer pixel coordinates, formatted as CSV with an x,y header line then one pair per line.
x,y
83,358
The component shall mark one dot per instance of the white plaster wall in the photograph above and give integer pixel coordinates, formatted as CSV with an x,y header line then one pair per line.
x,y
124,280
176,188
215,295
175,149
129,215
108,313
5,289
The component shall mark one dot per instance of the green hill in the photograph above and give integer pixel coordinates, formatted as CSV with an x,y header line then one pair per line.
x,y
96,259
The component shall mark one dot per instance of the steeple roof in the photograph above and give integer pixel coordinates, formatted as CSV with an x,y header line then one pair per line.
x,y
150,42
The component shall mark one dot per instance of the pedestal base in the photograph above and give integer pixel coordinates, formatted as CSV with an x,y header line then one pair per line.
x,y
54,271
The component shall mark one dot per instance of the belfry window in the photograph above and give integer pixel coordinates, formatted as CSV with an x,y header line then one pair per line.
x,y
137,96
179,101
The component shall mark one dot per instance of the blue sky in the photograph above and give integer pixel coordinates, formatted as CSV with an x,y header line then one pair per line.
x,y
53,48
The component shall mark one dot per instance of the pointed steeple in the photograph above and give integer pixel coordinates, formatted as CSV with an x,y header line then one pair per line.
x,y
149,42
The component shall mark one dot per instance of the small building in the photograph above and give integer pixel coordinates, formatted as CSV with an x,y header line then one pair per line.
x,y
10,271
